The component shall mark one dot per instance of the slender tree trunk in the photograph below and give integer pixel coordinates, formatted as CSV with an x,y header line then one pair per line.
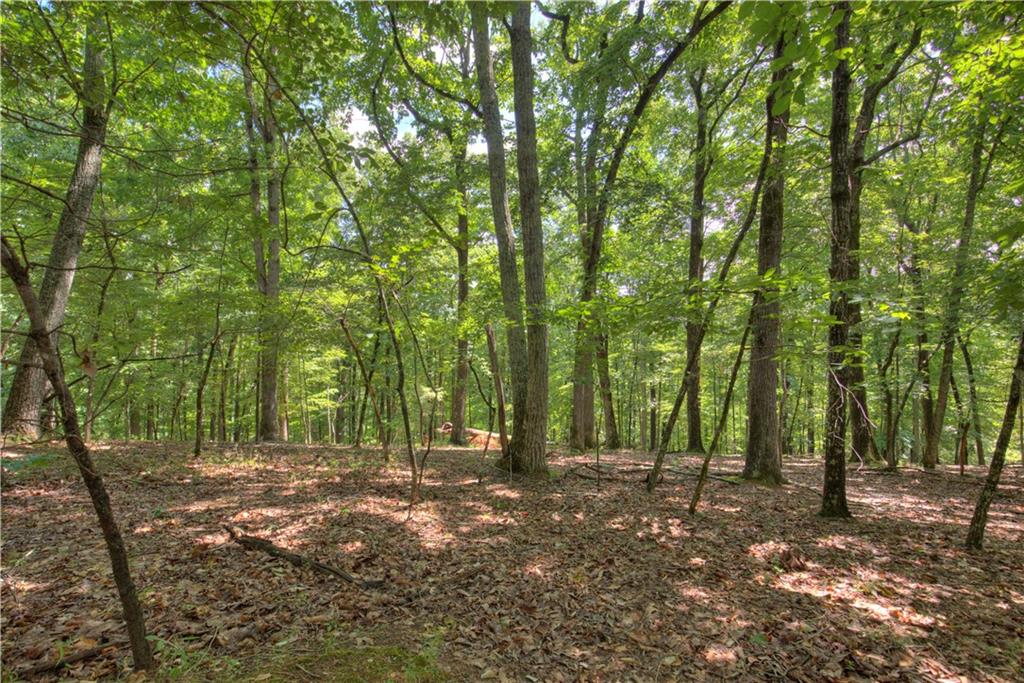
x,y
972,387
282,401
763,460
226,373
49,357
499,390
236,410
720,426
841,271
976,533
508,271
652,420
810,414
951,323
197,448
611,428
28,387
694,440
459,389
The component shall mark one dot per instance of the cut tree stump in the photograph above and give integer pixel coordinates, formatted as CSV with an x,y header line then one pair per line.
x,y
256,543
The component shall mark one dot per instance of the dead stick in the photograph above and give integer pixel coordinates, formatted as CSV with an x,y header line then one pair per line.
x,y
66,660
254,543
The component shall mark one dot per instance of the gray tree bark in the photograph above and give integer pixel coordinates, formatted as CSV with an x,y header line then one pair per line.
x,y
763,460
511,293
528,453
28,388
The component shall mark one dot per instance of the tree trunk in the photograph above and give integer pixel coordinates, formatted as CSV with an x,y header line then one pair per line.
x,y
611,428
810,415
951,323
226,372
652,420
694,440
282,399
763,460
511,295
841,271
197,448
529,454
28,387
268,260
49,357
972,388
460,387
499,390
976,533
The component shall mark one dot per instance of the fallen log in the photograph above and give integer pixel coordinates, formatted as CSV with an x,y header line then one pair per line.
x,y
256,543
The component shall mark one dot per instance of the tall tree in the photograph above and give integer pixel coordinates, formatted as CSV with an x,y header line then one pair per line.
x,y
763,460
841,272
528,454
980,166
29,386
511,292
268,255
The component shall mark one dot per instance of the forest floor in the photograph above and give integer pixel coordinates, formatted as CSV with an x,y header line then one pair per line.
x,y
559,579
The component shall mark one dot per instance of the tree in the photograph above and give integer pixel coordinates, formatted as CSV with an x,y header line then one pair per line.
x,y
52,366
841,271
29,386
976,533
763,460
511,292
528,455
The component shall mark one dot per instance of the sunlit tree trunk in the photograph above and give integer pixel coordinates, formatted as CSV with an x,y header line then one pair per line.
x,y
763,460
511,292
528,454
28,388
976,533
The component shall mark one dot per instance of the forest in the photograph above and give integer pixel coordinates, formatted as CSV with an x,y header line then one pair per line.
x,y
550,341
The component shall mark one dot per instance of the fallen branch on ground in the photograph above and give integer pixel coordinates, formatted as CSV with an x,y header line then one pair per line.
x,y
63,661
255,543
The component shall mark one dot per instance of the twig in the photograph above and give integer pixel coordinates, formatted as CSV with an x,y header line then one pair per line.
x,y
254,543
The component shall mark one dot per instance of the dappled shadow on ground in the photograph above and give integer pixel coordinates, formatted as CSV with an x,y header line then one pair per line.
x,y
565,578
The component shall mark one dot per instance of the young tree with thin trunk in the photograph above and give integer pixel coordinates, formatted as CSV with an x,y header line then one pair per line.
x,y
52,366
976,533
981,165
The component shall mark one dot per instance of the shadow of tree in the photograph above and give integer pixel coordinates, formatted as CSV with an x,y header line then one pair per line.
x,y
557,579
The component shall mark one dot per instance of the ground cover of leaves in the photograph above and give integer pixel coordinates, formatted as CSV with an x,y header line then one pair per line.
x,y
558,579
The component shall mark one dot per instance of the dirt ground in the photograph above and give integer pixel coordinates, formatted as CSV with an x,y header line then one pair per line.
x,y
561,579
